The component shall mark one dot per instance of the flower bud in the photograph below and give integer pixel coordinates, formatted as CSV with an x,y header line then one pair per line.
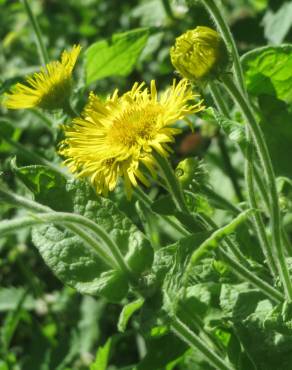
x,y
199,54
190,173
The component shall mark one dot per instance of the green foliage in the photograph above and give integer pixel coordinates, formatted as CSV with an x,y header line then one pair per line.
x,y
127,311
63,304
102,357
268,71
278,23
115,57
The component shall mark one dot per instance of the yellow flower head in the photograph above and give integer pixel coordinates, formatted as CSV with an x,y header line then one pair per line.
x,y
113,138
47,89
199,54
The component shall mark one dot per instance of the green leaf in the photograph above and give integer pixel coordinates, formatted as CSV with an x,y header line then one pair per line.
x,y
268,71
77,265
116,56
239,300
102,357
266,348
127,312
276,123
48,186
277,25
280,319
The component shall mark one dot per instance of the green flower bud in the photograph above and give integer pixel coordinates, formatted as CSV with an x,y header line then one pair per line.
x,y
190,173
200,54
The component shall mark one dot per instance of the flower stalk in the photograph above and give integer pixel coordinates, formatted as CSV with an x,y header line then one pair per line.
x,y
172,184
39,41
266,161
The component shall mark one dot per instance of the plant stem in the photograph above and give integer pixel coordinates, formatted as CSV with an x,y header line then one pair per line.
x,y
258,283
228,241
213,241
223,109
217,97
39,41
222,25
268,170
194,341
69,110
172,183
167,219
258,220
219,201
168,9
195,320
258,225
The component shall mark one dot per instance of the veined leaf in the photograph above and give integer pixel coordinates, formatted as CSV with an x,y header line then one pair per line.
x,y
116,56
67,255
268,71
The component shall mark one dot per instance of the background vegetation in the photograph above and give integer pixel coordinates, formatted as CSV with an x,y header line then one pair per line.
x,y
46,325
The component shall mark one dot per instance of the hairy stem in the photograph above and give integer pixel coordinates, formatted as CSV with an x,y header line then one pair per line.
x,y
194,341
222,25
39,41
172,183
172,222
268,170
258,220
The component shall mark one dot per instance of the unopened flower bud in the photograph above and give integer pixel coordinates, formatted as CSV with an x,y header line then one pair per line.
x,y
200,54
190,173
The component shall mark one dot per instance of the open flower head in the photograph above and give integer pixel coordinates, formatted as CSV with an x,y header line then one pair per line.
x,y
116,138
199,54
48,89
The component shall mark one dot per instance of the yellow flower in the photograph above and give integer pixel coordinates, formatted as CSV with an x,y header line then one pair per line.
x,y
114,138
49,89
199,54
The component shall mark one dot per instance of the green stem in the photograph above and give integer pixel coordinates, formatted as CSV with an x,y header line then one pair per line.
x,y
258,220
223,109
145,199
39,41
219,101
168,9
228,241
222,25
258,225
268,170
69,110
213,241
194,320
247,275
194,341
262,188
219,201
172,183
48,123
